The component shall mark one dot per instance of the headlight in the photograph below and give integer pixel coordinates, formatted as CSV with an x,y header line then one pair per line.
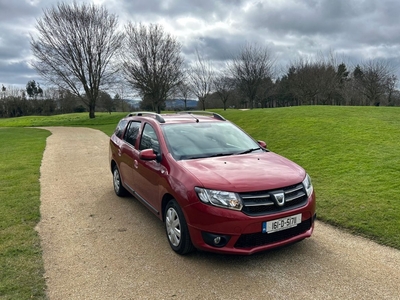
x,y
308,185
220,198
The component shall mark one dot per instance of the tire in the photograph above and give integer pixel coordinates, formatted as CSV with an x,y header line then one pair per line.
x,y
176,229
118,188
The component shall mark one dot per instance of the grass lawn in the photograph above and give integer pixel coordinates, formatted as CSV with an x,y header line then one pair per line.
x,y
351,154
21,265
103,121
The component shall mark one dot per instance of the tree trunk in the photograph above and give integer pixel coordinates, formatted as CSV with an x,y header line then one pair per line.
x,y
202,102
158,110
91,110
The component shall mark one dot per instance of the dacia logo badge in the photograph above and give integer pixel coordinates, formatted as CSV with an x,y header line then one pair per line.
x,y
279,199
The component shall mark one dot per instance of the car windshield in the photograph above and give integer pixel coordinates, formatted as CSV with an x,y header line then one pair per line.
x,y
200,140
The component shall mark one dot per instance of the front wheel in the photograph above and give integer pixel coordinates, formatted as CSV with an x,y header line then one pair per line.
x,y
118,188
177,230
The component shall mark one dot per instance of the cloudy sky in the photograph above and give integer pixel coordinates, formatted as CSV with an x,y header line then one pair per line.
x,y
354,30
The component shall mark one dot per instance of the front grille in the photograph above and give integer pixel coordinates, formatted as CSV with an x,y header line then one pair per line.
x,y
263,202
261,239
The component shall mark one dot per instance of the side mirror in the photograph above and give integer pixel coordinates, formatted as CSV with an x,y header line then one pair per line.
x,y
262,144
147,154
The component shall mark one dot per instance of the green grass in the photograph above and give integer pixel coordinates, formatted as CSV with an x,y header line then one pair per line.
x,y
103,121
351,154
21,265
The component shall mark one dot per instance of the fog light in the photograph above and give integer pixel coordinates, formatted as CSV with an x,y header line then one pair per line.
x,y
215,240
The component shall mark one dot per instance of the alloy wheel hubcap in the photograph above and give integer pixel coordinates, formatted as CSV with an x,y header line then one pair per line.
x,y
116,180
173,227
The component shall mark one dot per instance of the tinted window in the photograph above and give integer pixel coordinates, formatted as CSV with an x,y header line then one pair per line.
x,y
149,139
119,131
132,132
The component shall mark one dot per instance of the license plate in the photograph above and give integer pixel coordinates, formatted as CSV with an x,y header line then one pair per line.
x,y
281,224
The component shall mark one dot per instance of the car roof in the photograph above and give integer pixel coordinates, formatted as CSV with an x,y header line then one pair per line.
x,y
179,117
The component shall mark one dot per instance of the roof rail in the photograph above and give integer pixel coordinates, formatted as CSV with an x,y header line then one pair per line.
x,y
201,112
156,116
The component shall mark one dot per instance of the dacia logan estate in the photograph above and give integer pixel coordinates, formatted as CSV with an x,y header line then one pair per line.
x,y
215,187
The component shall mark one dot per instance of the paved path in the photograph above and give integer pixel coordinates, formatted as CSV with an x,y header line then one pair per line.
x,y
99,246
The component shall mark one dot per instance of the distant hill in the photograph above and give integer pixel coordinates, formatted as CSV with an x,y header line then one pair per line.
x,y
172,104
179,104
135,103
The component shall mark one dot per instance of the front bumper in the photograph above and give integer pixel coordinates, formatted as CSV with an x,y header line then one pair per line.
x,y
242,233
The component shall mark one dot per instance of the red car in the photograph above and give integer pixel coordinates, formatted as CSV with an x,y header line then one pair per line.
x,y
215,187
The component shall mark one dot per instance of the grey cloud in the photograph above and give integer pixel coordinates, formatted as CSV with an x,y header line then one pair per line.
x,y
153,9
364,21
358,29
18,73
14,47
215,48
299,17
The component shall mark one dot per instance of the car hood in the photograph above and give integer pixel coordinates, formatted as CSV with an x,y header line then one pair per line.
x,y
247,172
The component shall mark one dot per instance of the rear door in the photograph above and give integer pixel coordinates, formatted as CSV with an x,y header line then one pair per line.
x,y
128,153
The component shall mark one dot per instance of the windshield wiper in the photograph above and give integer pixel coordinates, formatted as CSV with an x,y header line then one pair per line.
x,y
249,150
193,156
220,154
206,156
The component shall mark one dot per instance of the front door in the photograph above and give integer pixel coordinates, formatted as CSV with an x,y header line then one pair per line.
x,y
149,172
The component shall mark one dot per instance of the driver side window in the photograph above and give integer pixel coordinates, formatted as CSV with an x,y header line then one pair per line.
x,y
149,139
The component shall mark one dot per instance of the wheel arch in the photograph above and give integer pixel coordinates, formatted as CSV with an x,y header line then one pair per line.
x,y
166,198
113,164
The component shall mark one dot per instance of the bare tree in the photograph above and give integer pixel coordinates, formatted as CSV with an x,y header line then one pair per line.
x,y
183,91
266,92
223,87
250,67
391,88
372,78
121,92
151,62
315,81
201,78
74,48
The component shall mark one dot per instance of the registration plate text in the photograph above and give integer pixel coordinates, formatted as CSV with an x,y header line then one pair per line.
x,y
281,224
